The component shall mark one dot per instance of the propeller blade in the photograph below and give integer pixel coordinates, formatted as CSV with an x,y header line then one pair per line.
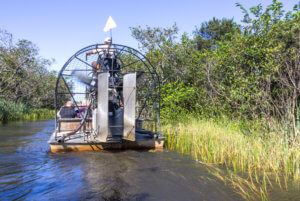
x,y
81,77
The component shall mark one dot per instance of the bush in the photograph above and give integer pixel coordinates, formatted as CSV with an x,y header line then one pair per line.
x,y
10,110
17,111
179,100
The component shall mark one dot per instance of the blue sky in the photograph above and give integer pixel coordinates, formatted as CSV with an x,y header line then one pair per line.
x,y
61,27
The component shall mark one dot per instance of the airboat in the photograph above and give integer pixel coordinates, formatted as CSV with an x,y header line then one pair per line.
x,y
121,90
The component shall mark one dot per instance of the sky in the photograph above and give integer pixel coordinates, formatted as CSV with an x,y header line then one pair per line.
x,y
62,27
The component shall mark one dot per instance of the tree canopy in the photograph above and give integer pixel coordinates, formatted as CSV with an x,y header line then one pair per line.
x,y
249,71
24,76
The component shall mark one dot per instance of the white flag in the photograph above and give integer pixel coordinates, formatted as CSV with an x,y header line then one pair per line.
x,y
110,24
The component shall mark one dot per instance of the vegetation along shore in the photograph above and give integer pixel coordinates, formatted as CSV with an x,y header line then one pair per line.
x,y
230,93
26,84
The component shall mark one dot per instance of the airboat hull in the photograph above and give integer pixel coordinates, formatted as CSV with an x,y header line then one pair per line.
x,y
142,142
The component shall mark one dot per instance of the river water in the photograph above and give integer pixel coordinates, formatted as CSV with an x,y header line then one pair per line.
x,y
29,171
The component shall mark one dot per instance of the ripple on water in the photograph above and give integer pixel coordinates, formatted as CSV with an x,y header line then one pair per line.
x,y
29,171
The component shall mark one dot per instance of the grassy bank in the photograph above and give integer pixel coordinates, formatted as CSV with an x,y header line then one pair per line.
x,y
38,114
35,114
224,143
10,111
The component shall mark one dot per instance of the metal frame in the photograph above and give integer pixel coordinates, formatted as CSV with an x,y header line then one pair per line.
x,y
153,88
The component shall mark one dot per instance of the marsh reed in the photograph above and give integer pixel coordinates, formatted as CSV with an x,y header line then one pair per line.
x,y
225,144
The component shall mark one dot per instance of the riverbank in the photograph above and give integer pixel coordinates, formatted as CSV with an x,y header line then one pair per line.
x,y
35,114
38,114
10,111
224,143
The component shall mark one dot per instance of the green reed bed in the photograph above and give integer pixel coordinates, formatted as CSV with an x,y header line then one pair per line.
x,y
19,111
225,144
38,114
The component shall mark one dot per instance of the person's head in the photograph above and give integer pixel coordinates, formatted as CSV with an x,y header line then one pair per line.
x,y
94,64
69,104
107,40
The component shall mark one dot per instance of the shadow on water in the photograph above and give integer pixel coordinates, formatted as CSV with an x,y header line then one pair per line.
x,y
29,171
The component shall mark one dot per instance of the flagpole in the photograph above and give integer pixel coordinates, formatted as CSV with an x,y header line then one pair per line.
x,y
111,35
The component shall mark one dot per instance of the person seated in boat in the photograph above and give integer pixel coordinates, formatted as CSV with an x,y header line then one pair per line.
x,y
67,111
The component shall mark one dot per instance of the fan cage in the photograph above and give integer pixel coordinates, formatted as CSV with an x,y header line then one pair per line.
x,y
129,60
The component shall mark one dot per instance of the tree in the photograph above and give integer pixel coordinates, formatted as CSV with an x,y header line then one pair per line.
x,y
24,77
171,56
248,71
214,30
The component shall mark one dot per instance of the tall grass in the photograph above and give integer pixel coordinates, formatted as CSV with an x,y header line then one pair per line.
x,y
20,111
38,114
225,144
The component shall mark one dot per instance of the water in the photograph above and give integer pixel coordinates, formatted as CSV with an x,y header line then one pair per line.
x,y
28,171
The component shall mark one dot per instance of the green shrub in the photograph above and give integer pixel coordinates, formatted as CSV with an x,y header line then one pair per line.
x,y
179,101
20,111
